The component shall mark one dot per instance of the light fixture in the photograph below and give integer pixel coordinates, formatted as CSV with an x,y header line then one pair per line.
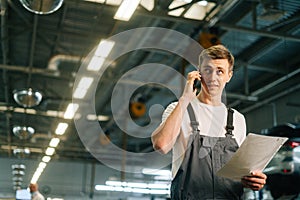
x,y
42,165
23,132
177,3
18,172
147,4
21,152
27,97
35,177
18,167
96,1
17,188
104,48
16,178
126,9
96,63
156,172
133,187
92,117
17,183
82,88
61,128
42,6
46,159
71,110
50,151
202,3
54,142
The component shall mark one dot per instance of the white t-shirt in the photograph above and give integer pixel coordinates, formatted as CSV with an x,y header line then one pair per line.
x,y
212,122
37,196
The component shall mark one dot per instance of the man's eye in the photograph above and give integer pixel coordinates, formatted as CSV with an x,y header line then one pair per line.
x,y
207,71
220,72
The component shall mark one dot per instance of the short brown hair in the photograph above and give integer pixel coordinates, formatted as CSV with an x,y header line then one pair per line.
x,y
217,52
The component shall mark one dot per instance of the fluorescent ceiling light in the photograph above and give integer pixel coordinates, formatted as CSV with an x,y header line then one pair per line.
x,y
198,11
82,87
148,4
202,3
96,1
176,12
71,110
104,48
50,151
137,185
115,183
113,2
54,113
31,111
156,172
39,170
42,165
179,11
158,185
163,178
131,189
35,177
104,188
54,142
96,63
46,159
85,82
102,118
61,128
99,117
126,9
79,93
19,110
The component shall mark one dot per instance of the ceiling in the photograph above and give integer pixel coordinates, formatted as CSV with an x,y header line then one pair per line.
x,y
50,53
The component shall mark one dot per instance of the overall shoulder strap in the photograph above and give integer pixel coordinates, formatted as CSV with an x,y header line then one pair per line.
x,y
229,127
194,122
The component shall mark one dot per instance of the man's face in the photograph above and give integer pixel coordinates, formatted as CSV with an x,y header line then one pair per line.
x,y
214,76
32,188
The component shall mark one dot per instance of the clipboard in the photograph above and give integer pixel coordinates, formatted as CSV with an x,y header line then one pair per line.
x,y
254,154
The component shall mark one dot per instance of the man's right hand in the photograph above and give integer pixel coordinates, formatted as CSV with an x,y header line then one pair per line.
x,y
189,92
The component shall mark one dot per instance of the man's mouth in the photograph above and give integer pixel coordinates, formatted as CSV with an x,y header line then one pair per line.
x,y
212,85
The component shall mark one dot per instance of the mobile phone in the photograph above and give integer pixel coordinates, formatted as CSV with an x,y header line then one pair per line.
x,y
197,84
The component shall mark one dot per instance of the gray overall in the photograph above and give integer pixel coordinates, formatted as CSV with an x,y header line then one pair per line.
x,y
196,178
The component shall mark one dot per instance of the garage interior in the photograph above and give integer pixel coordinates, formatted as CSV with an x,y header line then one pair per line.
x,y
104,137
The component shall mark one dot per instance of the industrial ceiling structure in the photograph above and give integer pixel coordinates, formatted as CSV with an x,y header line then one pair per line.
x,y
45,57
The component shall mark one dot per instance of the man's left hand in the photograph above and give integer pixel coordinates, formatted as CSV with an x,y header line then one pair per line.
x,y
255,181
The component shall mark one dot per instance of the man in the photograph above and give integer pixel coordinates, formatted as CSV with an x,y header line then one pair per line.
x,y
35,194
203,134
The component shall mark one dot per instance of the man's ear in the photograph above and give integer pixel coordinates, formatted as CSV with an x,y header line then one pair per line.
x,y
230,74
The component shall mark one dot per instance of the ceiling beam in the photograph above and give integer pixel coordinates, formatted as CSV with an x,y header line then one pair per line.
x,y
275,35
270,99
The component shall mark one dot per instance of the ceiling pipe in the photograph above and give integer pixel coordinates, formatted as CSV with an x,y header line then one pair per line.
x,y
32,48
5,49
268,100
269,86
278,81
25,69
4,32
56,60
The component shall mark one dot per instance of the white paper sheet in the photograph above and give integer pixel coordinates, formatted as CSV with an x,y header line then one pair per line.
x,y
254,154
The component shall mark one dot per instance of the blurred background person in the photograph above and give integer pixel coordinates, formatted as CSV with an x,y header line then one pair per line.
x,y
35,194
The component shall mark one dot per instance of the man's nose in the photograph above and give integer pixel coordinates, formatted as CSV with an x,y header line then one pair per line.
x,y
213,75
